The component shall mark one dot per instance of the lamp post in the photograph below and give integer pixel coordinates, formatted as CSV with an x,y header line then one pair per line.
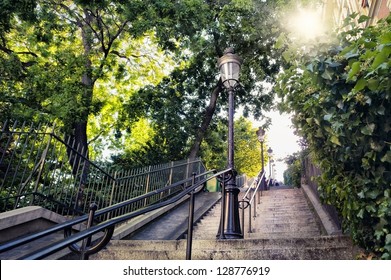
x,y
261,137
229,65
270,154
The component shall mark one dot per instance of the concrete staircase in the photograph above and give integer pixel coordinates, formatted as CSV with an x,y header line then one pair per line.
x,y
285,213
286,227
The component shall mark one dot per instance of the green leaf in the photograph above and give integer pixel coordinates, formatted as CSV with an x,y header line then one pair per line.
x,y
387,157
373,194
388,238
360,85
368,129
380,110
354,69
280,41
385,38
370,208
386,256
381,57
328,117
373,84
309,120
310,67
287,56
363,18
361,213
334,139
327,75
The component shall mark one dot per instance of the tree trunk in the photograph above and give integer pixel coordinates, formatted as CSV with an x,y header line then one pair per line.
x,y
205,122
78,157
78,148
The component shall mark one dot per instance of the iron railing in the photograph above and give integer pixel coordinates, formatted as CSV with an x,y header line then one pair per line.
x,y
249,199
88,247
39,168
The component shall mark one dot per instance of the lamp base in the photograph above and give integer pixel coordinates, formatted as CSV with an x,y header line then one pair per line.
x,y
232,229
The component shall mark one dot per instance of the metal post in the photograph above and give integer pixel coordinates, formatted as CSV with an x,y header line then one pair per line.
x,y
249,218
243,208
263,187
222,213
231,220
190,222
270,172
87,242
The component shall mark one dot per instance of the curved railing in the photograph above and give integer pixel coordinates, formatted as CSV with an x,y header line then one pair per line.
x,y
90,247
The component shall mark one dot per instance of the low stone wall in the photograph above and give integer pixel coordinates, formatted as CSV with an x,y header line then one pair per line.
x,y
311,171
26,220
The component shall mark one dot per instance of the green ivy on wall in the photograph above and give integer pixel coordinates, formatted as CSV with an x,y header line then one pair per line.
x,y
340,94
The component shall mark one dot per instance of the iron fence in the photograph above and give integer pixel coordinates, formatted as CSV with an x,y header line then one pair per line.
x,y
37,167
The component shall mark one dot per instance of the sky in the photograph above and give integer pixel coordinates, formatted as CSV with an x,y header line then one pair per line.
x,y
281,139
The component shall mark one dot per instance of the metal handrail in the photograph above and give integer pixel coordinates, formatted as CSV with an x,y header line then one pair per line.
x,y
109,224
247,200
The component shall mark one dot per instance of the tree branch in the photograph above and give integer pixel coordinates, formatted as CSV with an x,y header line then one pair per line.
x,y
206,121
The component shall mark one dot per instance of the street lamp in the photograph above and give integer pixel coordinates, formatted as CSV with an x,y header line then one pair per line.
x,y
229,65
270,154
261,137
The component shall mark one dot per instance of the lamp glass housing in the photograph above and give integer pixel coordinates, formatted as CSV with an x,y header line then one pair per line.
x,y
261,134
229,65
230,74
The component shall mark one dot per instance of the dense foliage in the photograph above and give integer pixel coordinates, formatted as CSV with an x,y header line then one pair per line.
x,y
340,94
109,70
293,173
185,108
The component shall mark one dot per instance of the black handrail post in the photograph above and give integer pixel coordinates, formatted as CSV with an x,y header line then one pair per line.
x,y
255,212
87,242
190,222
221,233
249,219
242,215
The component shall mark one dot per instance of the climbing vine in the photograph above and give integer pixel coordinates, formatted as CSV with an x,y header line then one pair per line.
x,y
340,94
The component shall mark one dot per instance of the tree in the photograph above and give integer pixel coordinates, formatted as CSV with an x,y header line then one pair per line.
x,y
95,66
247,150
74,48
192,95
293,174
340,95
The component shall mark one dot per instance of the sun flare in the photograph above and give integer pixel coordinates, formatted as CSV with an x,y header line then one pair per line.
x,y
306,24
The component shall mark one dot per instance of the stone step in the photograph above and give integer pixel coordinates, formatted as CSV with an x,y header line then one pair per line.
x,y
283,217
273,217
251,254
282,234
287,222
337,247
233,244
286,228
283,207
